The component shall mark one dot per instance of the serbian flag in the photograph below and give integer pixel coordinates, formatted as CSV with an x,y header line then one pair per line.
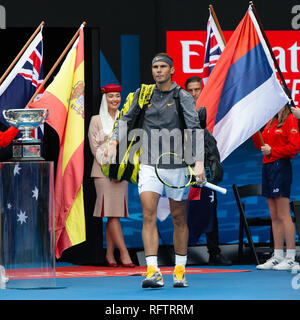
x,y
242,93
64,98
214,46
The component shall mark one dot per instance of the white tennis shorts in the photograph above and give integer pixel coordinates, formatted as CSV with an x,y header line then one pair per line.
x,y
148,181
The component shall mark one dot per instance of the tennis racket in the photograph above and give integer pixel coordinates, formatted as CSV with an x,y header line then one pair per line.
x,y
176,180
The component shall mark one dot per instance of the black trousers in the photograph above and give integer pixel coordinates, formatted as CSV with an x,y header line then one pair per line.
x,y
202,218
212,238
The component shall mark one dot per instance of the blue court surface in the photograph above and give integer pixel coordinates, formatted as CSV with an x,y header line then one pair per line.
x,y
249,285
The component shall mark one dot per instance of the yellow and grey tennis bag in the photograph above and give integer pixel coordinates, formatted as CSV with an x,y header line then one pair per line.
x,y
124,169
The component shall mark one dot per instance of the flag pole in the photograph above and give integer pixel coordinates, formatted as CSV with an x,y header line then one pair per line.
x,y
261,138
287,91
21,52
217,23
55,64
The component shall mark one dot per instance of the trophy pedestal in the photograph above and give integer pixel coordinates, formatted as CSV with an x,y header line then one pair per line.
x,y
27,238
26,151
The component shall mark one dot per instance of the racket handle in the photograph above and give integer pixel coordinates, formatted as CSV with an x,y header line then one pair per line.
x,y
215,187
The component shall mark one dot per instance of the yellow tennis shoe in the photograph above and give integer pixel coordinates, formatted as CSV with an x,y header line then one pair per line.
x,y
153,278
179,279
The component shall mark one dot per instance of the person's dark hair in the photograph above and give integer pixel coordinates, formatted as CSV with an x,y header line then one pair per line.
x,y
192,79
164,57
163,54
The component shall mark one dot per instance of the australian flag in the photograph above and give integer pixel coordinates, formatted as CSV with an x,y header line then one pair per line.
x,y
214,46
24,79
20,85
26,217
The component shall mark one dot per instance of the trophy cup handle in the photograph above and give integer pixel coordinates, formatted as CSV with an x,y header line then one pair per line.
x,y
10,121
45,114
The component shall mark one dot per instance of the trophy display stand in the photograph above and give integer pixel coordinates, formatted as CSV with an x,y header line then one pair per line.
x,y
27,238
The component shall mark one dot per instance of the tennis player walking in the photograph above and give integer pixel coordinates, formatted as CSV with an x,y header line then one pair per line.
x,y
160,118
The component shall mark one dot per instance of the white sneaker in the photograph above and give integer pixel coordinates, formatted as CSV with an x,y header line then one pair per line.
x,y
269,264
286,264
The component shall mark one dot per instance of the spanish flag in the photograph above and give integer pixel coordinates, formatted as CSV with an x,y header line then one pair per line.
x,y
64,98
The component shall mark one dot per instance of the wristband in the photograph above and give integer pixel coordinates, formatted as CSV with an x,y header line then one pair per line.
x,y
114,142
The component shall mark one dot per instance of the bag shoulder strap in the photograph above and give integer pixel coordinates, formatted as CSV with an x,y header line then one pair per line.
x,y
126,105
179,107
145,95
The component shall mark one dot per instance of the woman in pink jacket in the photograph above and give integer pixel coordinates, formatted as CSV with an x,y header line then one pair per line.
x,y
112,196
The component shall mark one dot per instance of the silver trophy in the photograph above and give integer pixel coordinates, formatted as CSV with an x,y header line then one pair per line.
x,y
26,148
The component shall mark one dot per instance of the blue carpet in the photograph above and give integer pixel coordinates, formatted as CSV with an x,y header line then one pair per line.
x,y
253,285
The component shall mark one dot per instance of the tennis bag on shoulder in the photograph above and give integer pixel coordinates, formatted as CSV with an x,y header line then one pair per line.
x,y
212,163
213,166
125,169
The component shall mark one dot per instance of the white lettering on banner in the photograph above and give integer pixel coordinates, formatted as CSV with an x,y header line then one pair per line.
x,y
294,57
280,58
282,61
294,83
296,19
2,18
187,53
294,89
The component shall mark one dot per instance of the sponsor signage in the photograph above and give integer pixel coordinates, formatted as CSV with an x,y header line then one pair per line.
x,y
187,49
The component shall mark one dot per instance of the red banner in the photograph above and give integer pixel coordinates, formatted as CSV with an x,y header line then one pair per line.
x,y
187,50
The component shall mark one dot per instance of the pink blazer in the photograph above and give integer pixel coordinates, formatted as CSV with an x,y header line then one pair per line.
x,y
96,141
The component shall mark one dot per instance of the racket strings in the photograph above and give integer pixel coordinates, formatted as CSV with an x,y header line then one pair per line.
x,y
179,177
